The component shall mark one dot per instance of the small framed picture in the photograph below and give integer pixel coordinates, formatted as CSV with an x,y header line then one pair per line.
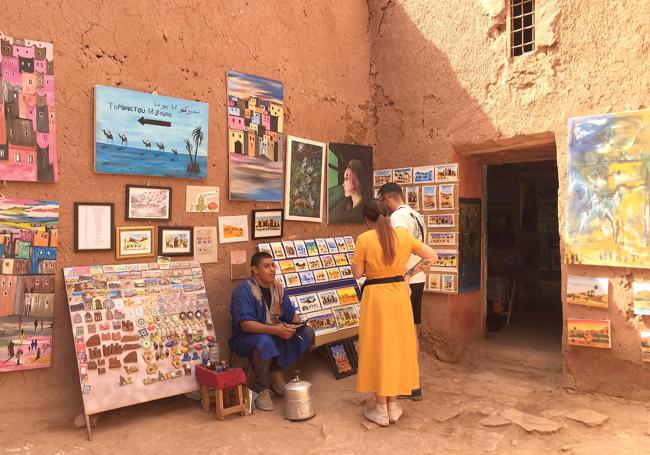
x,y
341,359
148,203
94,226
233,229
175,241
267,223
135,241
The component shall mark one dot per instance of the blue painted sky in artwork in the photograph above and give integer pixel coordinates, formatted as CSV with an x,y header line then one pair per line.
x,y
587,133
184,115
245,85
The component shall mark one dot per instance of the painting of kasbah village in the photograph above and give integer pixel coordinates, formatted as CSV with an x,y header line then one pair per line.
x,y
589,333
608,205
27,111
28,247
255,127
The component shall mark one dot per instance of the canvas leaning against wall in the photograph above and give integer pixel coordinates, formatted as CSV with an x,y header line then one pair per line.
x,y
349,182
255,129
147,134
608,211
303,193
28,248
27,111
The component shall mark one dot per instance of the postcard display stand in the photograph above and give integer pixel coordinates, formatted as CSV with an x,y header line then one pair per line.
x,y
433,191
317,276
139,330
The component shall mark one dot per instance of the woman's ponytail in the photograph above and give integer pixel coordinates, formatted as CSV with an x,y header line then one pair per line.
x,y
376,211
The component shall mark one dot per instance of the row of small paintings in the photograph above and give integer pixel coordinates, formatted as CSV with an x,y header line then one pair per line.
x,y
594,292
440,173
311,247
437,282
434,197
308,278
323,300
333,319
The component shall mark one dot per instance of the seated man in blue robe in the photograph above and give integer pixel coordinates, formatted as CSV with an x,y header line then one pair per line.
x,y
262,318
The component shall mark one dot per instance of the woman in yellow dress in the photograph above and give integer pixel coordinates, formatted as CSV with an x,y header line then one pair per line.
x,y
388,363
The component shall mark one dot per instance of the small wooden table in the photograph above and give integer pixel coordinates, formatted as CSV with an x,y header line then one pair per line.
x,y
220,381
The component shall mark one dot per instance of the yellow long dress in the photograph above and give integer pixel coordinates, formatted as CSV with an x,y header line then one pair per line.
x,y
388,364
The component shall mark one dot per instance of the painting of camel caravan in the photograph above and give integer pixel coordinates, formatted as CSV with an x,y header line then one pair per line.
x,y
587,291
147,134
608,203
255,128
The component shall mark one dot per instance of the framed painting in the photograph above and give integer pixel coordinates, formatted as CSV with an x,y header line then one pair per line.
x,y
349,182
134,241
340,360
162,137
255,130
267,224
175,241
382,176
588,291
303,192
148,203
94,225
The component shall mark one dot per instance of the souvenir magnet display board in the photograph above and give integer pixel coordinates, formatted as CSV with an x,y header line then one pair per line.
x,y
148,134
27,111
28,249
607,209
139,330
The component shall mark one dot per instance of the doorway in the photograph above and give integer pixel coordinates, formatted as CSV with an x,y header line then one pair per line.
x,y
524,305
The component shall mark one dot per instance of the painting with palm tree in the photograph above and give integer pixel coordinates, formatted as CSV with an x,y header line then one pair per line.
x,y
148,134
255,130
587,291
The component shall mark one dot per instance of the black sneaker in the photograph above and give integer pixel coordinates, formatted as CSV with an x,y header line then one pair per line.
x,y
416,395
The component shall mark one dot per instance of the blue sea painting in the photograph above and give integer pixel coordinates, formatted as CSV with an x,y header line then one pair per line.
x,y
146,134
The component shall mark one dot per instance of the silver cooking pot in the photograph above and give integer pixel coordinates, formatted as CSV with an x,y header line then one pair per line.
x,y
298,403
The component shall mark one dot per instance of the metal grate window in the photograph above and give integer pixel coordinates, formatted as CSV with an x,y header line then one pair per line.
x,y
522,26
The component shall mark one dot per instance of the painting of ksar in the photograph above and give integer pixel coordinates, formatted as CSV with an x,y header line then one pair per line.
x,y
587,291
608,207
28,250
255,128
304,186
233,229
148,134
589,333
349,182
27,111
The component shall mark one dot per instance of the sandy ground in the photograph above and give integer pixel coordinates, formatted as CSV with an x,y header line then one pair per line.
x,y
480,386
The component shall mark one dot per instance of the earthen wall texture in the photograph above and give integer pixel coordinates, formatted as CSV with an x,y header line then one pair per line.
x,y
441,77
320,50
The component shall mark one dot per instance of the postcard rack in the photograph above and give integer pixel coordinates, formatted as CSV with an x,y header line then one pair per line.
x,y
317,276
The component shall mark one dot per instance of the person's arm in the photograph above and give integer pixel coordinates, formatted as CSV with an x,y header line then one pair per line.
x,y
425,252
278,330
358,260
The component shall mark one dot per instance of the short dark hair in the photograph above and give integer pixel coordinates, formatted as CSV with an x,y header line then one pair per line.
x,y
257,258
391,189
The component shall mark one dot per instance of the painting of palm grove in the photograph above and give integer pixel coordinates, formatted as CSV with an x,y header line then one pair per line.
x,y
607,219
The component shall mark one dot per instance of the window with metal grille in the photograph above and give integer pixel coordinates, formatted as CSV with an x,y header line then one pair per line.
x,y
522,26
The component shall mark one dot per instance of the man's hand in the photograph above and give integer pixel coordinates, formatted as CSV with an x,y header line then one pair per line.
x,y
284,332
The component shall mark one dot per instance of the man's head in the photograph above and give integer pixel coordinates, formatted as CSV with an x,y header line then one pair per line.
x,y
391,194
263,268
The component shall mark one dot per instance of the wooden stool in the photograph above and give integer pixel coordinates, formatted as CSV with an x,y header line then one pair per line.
x,y
220,381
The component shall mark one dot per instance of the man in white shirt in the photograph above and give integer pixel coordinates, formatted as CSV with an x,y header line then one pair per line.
x,y
404,216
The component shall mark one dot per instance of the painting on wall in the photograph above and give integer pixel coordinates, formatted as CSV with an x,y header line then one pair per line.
x,y
587,291
469,245
148,134
382,176
202,199
255,130
233,229
589,333
349,182
267,224
608,211
205,244
641,297
303,195
27,111
28,250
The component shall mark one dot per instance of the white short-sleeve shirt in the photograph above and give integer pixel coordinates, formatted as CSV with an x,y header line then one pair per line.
x,y
404,216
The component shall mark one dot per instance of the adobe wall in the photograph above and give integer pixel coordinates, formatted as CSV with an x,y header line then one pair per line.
x,y
320,50
442,77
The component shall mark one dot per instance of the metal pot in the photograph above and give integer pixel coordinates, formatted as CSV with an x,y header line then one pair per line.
x,y
298,403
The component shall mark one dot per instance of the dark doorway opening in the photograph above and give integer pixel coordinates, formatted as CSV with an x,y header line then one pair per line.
x,y
524,305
